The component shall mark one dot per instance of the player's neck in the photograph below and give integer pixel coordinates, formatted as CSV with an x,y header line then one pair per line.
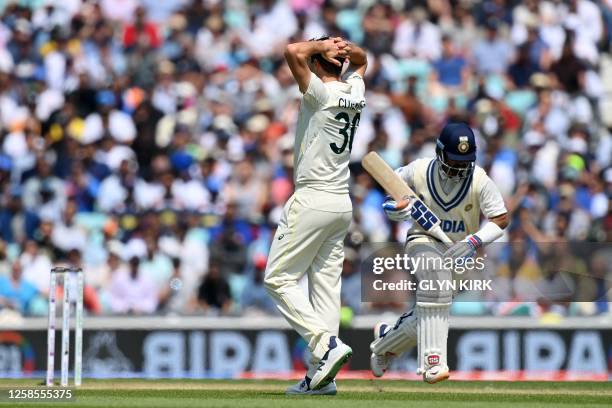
x,y
329,78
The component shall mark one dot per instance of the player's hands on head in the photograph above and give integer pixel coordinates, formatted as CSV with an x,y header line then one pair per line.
x,y
398,211
344,48
335,48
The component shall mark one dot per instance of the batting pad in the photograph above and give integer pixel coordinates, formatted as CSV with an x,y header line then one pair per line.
x,y
399,338
432,329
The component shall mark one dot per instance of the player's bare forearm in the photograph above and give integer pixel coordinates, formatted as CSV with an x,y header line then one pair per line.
x,y
358,59
502,221
297,55
357,55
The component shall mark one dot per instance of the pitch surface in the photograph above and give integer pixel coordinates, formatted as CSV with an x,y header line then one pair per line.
x,y
351,394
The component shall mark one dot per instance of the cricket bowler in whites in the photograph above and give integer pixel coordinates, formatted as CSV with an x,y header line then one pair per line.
x,y
315,220
457,191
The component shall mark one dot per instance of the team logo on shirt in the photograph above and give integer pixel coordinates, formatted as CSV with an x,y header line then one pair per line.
x,y
463,145
468,207
453,226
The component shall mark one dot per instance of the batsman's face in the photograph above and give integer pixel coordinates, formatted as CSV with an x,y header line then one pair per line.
x,y
455,170
456,166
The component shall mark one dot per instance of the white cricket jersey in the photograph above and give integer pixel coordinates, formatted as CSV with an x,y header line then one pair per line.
x,y
328,119
458,209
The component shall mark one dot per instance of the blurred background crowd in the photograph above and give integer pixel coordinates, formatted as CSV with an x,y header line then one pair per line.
x,y
151,141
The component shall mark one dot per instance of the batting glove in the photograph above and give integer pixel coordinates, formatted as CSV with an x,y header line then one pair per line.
x,y
397,212
465,248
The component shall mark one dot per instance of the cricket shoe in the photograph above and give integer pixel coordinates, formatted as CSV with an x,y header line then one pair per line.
x,y
436,374
303,388
380,362
335,357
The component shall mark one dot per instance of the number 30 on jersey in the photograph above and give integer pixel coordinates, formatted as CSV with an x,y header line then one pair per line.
x,y
348,138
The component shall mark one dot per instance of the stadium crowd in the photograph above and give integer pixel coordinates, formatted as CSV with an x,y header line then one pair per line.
x,y
151,141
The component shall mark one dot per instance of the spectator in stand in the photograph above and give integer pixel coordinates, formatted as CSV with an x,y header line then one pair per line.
x,y
214,292
450,70
141,31
569,70
231,252
43,192
16,292
417,37
174,296
255,297
35,266
17,224
522,69
492,54
132,292
378,29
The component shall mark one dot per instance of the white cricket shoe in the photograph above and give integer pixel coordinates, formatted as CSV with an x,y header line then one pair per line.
x,y
436,374
302,388
380,362
335,357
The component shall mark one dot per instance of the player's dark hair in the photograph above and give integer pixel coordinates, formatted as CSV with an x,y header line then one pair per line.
x,y
325,64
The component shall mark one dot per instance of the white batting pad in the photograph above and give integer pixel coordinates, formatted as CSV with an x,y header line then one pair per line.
x,y
399,338
432,329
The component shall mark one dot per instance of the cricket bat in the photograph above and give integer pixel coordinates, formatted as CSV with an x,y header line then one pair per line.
x,y
399,190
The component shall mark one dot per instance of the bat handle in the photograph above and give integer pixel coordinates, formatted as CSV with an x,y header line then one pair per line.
x,y
437,232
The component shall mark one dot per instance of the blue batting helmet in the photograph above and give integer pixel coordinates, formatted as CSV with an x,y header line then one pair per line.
x,y
457,142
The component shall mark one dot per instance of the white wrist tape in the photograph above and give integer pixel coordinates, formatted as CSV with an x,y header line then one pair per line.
x,y
490,232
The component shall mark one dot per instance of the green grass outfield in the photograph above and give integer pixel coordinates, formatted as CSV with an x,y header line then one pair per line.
x,y
351,394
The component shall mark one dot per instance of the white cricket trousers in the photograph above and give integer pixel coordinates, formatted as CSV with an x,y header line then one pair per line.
x,y
308,241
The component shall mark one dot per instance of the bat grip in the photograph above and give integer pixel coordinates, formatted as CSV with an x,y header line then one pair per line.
x,y
437,232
